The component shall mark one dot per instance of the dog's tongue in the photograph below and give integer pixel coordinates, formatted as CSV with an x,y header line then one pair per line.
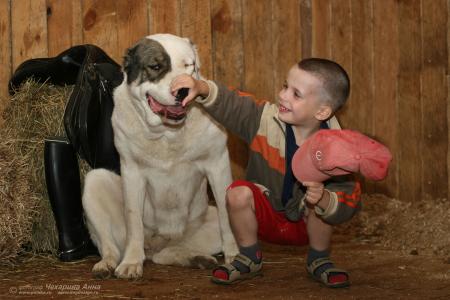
x,y
176,109
170,111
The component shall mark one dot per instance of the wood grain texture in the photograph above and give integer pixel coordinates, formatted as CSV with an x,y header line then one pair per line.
x,y
410,156
100,26
77,22
196,25
434,98
386,68
448,140
286,45
448,96
29,30
341,52
321,27
63,25
164,16
5,52
228,61
227,42
362,67
306,28
258,60
132,23
362,85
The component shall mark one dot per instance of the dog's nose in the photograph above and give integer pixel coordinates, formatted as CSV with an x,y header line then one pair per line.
x,y
182,93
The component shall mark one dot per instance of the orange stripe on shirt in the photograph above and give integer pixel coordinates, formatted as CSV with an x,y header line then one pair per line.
x,y
343,199
352,199
269,153
246,94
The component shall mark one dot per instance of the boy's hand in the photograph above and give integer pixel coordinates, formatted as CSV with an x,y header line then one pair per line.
x,y
315,192
196,87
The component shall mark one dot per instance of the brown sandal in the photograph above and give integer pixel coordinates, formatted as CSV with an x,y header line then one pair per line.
x,y
234,275
324,277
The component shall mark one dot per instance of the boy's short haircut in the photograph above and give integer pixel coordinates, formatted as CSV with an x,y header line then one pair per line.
x,y
336,83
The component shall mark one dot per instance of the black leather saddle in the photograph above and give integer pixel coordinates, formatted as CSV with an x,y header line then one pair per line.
x,y
87,116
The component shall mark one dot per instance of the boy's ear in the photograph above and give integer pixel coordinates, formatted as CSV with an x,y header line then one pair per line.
x,y
324,113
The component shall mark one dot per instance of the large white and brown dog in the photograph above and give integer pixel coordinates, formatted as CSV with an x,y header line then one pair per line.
x,y
158,207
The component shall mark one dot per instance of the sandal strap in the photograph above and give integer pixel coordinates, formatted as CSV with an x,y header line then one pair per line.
x,y
325,275
317,263
335,270
229,268
234,274
243,259
253,267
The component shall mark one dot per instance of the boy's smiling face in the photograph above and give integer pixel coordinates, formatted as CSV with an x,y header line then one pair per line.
x,y
300,99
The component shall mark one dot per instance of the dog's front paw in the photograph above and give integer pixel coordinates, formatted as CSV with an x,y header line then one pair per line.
x,y
104,268
129,270
230,257
203,262
230,250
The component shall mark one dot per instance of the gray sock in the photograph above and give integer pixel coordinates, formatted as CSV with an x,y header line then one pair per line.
x,y
253,252
314,254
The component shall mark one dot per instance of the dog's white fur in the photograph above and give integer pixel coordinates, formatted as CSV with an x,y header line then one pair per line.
x,y
158,208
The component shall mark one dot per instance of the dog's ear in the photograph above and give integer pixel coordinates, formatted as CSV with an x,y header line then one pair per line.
x,y
131,64
197,58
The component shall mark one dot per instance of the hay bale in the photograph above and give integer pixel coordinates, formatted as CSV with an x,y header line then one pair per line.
x,y
18,208
34,113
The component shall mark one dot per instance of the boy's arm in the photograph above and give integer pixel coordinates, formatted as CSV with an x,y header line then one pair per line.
x,y
239,114
344,200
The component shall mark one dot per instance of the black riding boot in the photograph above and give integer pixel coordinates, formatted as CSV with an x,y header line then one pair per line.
x,y
64,191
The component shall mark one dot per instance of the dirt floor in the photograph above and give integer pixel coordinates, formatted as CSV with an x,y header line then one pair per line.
x,y
392,251
376,273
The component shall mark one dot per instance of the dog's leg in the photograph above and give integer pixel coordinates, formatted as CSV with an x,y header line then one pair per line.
x,y
103,207
219,177
196,246
133,184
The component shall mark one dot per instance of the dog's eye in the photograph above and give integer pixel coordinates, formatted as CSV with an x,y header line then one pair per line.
x,y
188,65
156,67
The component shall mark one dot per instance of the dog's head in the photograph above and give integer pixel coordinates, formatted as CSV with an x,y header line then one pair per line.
x,y
151,65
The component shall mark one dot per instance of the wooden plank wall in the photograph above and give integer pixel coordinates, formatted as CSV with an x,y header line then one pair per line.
x,y
396,52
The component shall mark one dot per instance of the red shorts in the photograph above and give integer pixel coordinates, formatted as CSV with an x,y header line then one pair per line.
x,y
273,227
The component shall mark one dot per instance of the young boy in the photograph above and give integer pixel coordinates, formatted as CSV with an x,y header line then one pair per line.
x,y
269,205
